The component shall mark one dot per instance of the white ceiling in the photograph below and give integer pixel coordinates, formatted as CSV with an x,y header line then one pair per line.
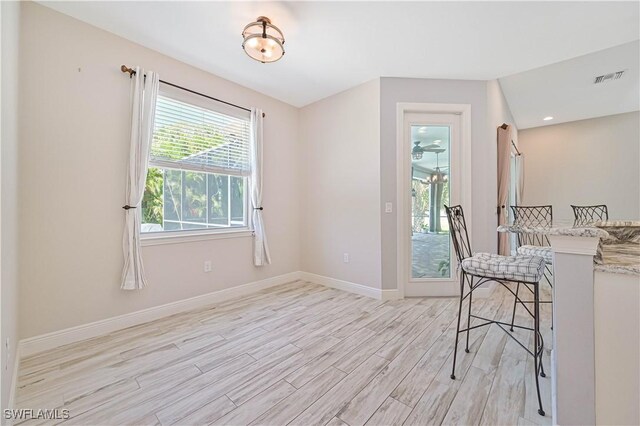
x,y
566,90
332,46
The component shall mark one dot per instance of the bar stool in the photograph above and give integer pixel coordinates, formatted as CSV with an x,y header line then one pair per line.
x,y
586,215
477,269
534,244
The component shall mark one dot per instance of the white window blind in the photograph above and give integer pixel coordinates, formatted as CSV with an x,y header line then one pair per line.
x,y
190,137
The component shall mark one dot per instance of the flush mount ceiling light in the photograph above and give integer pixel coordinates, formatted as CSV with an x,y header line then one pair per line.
x,y
548,118
263,41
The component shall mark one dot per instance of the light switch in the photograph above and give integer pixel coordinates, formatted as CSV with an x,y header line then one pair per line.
x,y
388,207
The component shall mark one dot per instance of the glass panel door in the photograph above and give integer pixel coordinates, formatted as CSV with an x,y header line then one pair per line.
x,y
430,172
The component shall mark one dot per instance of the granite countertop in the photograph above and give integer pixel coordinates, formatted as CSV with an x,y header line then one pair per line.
x,y
618,259
556,228
619,249
617,223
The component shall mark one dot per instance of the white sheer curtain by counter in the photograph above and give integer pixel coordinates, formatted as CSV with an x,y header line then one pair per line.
x,y
143,106
518,162
261,254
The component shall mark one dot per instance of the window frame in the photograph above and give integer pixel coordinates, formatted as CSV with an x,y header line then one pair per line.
x,y
223,232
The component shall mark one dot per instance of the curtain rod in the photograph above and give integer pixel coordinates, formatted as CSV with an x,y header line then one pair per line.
x,y
504,127
132,72
516,148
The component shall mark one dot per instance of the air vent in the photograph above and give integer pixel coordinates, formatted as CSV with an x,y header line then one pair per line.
x,y
608,77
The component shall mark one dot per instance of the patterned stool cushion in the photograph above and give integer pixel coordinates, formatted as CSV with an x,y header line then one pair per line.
x,y
516,268
544,252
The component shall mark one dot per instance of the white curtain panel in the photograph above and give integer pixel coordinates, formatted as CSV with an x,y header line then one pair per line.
x,y
261,254
519,164
144,93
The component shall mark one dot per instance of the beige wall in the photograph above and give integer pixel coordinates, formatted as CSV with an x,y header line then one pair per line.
x,y
10,20
74,146
340,167
341,197
594,161
498,112
394,90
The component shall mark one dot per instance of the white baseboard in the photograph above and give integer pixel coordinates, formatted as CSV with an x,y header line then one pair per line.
x,y
11,404
392,294
44,342
360,289
55,339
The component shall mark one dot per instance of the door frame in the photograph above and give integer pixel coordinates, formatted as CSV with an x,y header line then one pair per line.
x,y
403,199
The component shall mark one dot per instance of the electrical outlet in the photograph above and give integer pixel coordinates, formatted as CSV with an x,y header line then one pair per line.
x,y
388,207
345,258
207,266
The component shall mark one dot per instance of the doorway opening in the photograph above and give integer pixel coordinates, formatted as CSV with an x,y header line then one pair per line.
x,y
430,169
433,171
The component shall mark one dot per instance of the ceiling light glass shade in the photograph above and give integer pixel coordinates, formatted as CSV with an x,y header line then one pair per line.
x,y
263,41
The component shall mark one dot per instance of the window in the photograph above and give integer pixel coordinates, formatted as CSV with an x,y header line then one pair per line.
x,y
198,167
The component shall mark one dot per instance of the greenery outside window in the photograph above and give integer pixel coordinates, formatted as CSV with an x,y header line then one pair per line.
x,y
198,167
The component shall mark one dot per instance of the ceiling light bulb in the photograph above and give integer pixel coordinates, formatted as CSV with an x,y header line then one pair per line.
x,y
548,118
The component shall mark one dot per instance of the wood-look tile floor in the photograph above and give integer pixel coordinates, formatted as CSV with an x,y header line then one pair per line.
x,y
298,354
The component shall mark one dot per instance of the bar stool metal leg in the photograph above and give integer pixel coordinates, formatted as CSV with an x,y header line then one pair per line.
x,y
537,351
469,315
541,346
547,269
455,347
515,304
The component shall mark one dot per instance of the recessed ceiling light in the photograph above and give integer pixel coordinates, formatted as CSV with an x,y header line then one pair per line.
x,y
548,118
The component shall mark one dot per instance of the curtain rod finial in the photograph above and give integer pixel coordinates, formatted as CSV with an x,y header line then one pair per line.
x,y
125,68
